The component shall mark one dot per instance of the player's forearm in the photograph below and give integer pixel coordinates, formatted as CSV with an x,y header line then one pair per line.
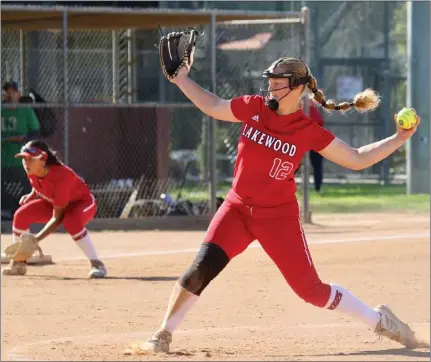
x,y
204,100
51,226
375,152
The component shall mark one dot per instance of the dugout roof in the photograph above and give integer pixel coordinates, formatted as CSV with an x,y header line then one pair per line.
x,y
44,17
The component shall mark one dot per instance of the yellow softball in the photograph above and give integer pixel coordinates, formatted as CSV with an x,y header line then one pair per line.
x,y
406,118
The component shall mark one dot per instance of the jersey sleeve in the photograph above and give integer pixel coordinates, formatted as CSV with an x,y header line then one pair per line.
x,y
320,137
245,107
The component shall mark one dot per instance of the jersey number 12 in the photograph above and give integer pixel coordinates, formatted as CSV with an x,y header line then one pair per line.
x,y
280,170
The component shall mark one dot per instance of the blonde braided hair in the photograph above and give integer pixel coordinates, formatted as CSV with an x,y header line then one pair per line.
x,y
364,101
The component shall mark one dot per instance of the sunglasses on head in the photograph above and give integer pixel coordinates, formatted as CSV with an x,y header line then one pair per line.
x,y
33,151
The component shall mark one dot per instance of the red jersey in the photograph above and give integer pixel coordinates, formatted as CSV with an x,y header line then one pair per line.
x,y
60,186
270,149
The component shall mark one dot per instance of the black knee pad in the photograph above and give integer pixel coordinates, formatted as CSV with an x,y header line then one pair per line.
x,y
209,262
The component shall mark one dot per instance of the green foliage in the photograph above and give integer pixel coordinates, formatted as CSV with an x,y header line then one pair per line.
x,y
398,34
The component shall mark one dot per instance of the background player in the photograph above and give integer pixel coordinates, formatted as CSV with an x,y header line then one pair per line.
x,y
262,204
316,158
19,125
59,196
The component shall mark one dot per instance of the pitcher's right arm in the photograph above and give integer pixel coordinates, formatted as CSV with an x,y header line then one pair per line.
x,y
206,101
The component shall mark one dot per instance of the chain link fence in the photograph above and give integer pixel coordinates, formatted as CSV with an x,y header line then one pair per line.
x,y
35,60
143,148
244,51
125,153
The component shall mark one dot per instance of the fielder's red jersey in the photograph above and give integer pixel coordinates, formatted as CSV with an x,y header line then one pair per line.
x,y
60,186
270,149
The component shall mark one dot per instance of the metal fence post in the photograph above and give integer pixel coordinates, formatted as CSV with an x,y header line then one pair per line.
x,y
22,62
65,88
384,168
386,89
418,95
306,164
130,66
114,66
212,122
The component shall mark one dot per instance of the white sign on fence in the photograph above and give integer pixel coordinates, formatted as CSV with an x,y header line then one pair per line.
x,y
348,86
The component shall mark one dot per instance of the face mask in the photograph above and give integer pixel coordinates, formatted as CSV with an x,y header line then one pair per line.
x,y
271,102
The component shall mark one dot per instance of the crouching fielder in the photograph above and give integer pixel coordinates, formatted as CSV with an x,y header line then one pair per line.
x,y
58,196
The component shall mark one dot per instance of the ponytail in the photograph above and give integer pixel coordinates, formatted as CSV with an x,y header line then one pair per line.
x,y
364,101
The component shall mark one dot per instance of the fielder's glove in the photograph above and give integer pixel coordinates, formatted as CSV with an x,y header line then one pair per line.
x,y
22,251
176,51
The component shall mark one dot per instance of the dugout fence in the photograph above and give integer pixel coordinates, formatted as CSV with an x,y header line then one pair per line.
x,y
144,149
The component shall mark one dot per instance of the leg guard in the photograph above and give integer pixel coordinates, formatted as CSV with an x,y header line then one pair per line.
x,y
209,262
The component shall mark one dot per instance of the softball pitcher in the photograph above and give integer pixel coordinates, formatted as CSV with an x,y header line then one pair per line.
x,y
58,196
262,205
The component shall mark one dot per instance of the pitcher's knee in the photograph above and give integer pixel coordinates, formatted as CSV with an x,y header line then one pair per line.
x,y
317,293
209,262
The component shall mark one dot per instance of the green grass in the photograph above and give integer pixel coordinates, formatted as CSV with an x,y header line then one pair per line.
x,y
366,197
341,198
